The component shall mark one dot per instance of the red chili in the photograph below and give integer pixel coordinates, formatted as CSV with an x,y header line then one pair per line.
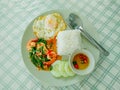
x,y
76,66
81,56
49,51
84,57
85,60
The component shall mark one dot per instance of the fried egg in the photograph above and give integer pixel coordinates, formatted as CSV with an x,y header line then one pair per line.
x,y
48,26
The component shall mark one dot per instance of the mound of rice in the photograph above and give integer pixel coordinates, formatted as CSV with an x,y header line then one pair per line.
x,y
68,41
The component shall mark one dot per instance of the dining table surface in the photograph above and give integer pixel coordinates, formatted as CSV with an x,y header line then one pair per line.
x,y
15,16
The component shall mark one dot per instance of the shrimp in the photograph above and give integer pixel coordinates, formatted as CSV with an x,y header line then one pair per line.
x,y
52,56
31,43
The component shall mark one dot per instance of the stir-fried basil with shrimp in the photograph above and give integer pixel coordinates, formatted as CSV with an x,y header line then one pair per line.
x,y
41,53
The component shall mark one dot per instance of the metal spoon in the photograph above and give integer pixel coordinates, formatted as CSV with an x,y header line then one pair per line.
x,y
76,23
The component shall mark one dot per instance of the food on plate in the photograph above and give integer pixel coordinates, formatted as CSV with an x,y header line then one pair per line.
x,y
47,26
80,61
51,43
61,68
68,41
42,53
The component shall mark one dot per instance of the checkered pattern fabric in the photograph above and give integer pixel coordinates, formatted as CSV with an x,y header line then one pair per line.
x,y
15,15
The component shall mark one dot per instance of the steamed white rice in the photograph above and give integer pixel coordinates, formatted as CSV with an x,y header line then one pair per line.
x,y
68,41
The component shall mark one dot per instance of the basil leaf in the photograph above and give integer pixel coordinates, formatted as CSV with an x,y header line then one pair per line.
x,y
42,50
30,54
41,64
46,59
39,61
42,40
34,61
33,50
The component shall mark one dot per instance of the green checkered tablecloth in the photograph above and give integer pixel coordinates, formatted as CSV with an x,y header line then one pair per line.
x,y
15,15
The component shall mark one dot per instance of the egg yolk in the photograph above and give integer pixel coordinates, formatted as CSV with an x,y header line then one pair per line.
x,y
51,22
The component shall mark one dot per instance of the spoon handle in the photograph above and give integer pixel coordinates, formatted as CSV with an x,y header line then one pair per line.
x,y
93,41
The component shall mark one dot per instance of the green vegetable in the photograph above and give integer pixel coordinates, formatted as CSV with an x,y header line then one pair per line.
x,y
42,40
40,61
41,49
34,61
46,59
51,67
43,59
41,64
74,62
33,50
30,54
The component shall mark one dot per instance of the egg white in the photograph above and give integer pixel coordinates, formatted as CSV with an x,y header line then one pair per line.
x,y
49,25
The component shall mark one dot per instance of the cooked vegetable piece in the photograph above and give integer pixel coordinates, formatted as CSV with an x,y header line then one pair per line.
x,y
42,40
34,61
42,56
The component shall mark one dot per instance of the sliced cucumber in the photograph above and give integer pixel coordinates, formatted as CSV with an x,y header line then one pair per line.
x,y
62,69
68,70
55,70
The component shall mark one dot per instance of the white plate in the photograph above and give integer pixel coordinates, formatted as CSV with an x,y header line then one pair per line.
x,y
45,77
